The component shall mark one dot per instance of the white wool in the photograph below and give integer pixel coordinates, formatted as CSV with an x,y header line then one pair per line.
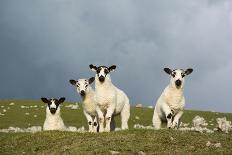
x,y
172,102
112,100
199,121
224,125
12,103
53,121
89,105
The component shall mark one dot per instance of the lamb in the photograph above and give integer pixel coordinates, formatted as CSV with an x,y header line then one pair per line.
x,y
109,99
53,119
170,104
87,93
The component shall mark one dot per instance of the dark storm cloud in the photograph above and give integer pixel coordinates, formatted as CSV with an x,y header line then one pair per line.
x,y
45,43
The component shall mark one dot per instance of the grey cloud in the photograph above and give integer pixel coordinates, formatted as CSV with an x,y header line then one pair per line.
x,y
45,43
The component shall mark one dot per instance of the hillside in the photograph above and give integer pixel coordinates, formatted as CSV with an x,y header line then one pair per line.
x,y
24,114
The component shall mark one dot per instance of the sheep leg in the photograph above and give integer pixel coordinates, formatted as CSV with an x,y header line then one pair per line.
x,y
90,121
125,115
95,124
156,120
168,114
108,117
176,119
100,119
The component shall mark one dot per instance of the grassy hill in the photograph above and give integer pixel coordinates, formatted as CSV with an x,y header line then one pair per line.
x,y
24,114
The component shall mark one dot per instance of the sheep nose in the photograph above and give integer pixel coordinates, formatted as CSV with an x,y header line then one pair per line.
x,y
82,93
53,110
101,78
178,83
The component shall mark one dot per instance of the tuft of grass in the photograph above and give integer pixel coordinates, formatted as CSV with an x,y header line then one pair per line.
x,y
126,142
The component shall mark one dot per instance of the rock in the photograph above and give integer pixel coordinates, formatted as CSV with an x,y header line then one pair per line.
x,y
142,153
12,103
114,152
139,106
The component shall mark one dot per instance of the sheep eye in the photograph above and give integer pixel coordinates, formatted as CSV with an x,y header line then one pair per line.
x,y
98,71
183,75
106,71
174,74
86,86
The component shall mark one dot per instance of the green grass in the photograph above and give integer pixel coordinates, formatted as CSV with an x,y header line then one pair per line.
x,y
126,142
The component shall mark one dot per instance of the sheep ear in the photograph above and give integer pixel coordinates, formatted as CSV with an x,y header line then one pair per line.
x,y
45,100
73,82
91,80
92,67
168,70
62,99
112,68
188,71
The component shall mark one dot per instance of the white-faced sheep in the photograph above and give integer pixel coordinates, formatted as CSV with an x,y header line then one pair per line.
x,y
109,99
170,104
53,119
87,93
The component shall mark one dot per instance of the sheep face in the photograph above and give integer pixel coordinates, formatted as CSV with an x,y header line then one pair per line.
x,y
53,104
177,76
102,71
82,85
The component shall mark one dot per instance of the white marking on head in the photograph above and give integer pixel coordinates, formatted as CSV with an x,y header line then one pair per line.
x,y
53,104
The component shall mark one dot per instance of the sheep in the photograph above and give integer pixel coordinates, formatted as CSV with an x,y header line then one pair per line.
x,y
89,107
53,119
109,99
170,104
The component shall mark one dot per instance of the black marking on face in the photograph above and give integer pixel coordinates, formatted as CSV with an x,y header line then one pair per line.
x,y
173,74
102,71
95,124
50,102
182,75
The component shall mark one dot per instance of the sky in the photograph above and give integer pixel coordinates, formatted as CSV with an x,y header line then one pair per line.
x,y
45,43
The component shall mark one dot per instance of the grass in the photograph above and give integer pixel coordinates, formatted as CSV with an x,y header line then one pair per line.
x,y
126,142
